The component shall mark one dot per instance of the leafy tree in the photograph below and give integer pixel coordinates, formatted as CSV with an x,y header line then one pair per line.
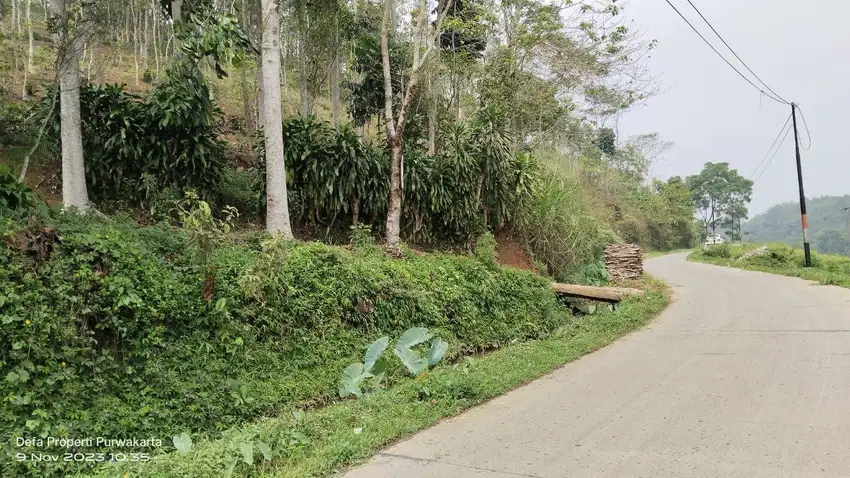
x,y
720,193
422,50
832,241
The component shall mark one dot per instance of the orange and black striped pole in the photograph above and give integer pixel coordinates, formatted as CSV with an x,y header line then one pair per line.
x,y
805,221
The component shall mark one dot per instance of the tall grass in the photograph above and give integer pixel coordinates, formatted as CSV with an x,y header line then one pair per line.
x,y
560,227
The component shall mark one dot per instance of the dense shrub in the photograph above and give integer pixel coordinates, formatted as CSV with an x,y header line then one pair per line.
x,y
15,198
104,329
170,137
722,251
776,256
16,128
473,184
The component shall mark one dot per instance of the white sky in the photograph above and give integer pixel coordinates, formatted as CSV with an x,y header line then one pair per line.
x,y
801,49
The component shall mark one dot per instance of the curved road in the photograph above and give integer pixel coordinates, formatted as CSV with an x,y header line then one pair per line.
x,y
745,374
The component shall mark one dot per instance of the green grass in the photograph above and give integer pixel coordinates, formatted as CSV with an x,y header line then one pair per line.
x,y
780,259
349,432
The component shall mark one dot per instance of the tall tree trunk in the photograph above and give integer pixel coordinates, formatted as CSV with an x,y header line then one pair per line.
x,y
24,95
395,128
335,64
277,208
393,226
335,90
261,108
432,119
146,37
16,17
243,80
246,102
135,42
99,64
304,95
176,10
154,33
284,53
70,45
176,19
31,51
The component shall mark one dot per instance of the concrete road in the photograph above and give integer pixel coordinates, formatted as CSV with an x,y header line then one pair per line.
x,y
745,374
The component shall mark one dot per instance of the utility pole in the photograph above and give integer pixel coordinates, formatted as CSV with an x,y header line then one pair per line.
x,y
805,221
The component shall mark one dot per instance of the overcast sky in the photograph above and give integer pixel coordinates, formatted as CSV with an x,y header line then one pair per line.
x,y
801,49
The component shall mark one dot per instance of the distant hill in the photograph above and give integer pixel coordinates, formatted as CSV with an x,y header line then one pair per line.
x,y
828,224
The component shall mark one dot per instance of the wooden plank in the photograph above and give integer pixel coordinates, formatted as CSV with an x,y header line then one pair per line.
x,y
602,294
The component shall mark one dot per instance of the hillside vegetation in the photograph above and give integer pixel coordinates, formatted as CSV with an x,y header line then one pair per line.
x,y
829,224
190,254
778,259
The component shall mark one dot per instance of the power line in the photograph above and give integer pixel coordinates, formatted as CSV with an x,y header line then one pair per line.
x,y
733,52
778,100
781,130
774,155
805,125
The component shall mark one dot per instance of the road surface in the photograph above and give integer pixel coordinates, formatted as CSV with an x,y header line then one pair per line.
x,y
745,374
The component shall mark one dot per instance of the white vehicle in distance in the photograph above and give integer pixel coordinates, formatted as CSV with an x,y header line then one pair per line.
x,y
714,239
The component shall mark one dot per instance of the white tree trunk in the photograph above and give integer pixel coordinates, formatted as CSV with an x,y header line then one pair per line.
x,y
31,51
261,108
155,33
74,191
335,90
277,207
393,225
176,10
16,17
303,93
135,21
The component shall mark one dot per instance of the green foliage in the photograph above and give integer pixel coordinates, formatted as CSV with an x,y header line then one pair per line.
x,y
780,259
475,183
204,230
485,249
15,126
413,361
14,196
208,33
99,314
723,251
561,228
721,196
373,366
351,431
241,188
134,147
366,96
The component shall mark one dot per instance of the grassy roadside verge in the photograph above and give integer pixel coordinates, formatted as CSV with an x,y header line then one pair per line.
x,y
330,439
778,259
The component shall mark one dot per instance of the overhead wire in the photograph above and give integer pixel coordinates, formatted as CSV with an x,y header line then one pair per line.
x,y
781,130
736,55
805,125
766,166
774,98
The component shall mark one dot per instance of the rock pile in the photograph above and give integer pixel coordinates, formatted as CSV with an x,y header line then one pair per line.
x,y
624,261
753,253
